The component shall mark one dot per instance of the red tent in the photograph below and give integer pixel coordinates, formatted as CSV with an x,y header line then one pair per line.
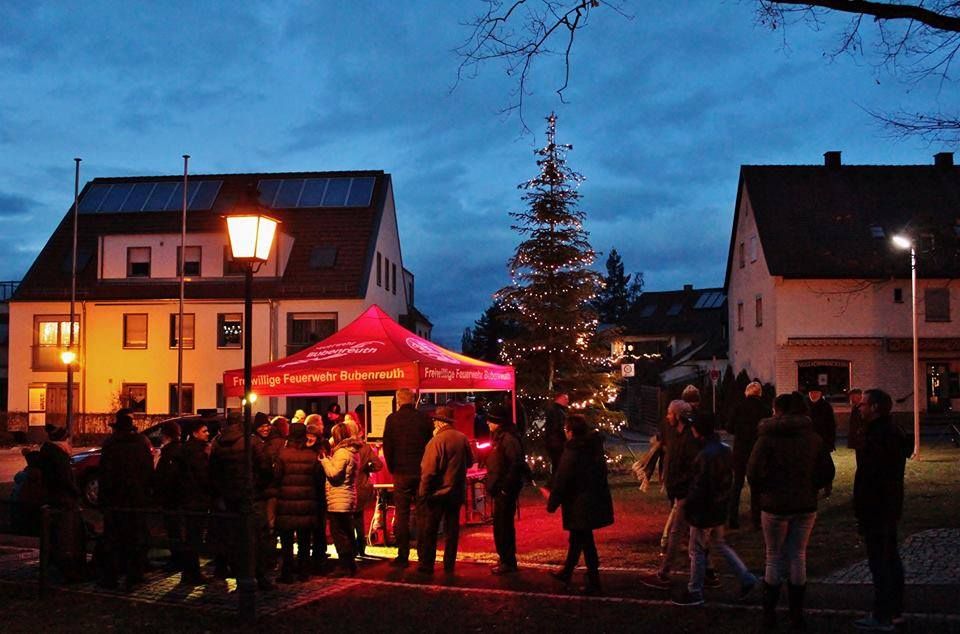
x,y
372,353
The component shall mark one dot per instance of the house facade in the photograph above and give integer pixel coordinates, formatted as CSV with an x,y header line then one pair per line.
x,y
818,294
337,251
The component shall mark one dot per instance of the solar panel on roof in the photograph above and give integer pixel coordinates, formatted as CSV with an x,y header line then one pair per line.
x,y
313,190
92,199
675,309
138,196
336,194
360,191
702,300
718,300
289,194
268,191
118,194
206,195
159,197
648,310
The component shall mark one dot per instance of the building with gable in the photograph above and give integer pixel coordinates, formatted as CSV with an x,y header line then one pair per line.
x,y
819,296
337,251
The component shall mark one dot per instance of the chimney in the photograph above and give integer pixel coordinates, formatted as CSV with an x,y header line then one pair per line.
x,y
943,159
831,159
688,287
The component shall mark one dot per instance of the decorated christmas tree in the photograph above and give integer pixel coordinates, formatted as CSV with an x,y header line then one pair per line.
x,y
551,297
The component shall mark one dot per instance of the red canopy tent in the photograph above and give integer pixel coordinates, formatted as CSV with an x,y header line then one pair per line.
x,y
372,353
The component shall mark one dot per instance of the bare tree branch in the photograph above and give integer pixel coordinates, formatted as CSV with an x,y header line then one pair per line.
x,y
518,32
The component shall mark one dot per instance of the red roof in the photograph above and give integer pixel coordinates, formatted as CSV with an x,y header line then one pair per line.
x,y
371,353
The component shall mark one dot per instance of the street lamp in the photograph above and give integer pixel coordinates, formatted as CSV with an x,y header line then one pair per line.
x,y
251,238
904,242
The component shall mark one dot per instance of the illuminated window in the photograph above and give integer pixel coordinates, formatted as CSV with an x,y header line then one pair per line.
x,y
188,322
51,334
134,396
135,330
191,261
832,377
138,262
187,397
229,330
306,329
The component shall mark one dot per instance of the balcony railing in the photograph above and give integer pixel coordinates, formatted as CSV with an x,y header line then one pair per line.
x,y
7,289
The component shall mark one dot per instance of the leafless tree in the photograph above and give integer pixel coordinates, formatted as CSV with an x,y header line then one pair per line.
x,y
517,32
914,40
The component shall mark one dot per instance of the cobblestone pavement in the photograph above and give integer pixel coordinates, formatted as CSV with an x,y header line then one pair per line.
x,y
929,558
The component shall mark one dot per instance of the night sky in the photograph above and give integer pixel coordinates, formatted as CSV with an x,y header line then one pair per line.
x,y
662,111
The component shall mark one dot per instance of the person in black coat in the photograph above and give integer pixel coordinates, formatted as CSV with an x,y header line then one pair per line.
x,y
195,500
878,504
167,489
60,492
824,421
405,435
580,488
746,418
554,438
126,472
296,502
855,428
505,469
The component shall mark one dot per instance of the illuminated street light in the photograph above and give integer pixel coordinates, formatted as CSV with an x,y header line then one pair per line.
x,y
68,357
903,242
251,234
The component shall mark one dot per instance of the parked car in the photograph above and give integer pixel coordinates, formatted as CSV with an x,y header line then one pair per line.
x,y
86,464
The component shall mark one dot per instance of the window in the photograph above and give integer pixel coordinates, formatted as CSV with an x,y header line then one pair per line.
x,y
138,261
759,311
135,330
753,249
898,296
387,266
229,330
379,269
187,397
739,315
51,334
188,323
230,266
829,376
221,398
937,304
134,396
393,275
306,329
323,256
191,262
742,256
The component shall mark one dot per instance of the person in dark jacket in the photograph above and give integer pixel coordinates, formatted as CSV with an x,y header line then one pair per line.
x,y
27,495
554,439
708,501
788,466
126,471
318,537
442,491
194,500
167,490
297,467
228,479
746,417
580,489
370,463
331,418
405,435
60,492
822,416
682,451
855,428
505,469
273,442
878,505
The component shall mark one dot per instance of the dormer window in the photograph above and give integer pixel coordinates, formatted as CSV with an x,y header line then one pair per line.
x,y
138,261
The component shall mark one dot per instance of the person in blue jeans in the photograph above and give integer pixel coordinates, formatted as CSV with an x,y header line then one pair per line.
x,y
788,466
706,509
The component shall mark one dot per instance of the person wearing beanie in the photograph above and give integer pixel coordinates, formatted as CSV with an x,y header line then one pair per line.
x,y
282,425
297,467
442,490
505,472
318,540
341,469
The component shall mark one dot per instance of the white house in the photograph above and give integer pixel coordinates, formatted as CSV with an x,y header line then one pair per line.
x,y
337,252
818,294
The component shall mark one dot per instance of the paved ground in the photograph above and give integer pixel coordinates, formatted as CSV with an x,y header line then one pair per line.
x,y
929,558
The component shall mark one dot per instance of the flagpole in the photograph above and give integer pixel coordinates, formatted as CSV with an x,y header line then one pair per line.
x,y
183,249
73,299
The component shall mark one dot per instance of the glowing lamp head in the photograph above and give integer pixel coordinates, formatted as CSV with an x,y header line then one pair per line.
x,y
901,241
250,398
68,357
251,236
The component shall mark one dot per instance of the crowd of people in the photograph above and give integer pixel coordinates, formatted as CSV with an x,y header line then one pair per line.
x,y
311,472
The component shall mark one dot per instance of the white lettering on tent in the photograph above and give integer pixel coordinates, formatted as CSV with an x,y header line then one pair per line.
x,y
337,350
430,350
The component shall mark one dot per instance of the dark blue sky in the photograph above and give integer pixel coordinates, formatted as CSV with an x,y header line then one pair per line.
x,y
663,109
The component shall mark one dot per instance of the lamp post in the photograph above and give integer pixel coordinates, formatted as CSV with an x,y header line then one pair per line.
x,y
251,238
904,242
68,356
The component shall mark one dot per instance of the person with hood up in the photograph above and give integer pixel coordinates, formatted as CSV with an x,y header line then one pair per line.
x,y
370,462
505,473
60,492
341,469
442,491
298,471
580,489
788,465
126,472
228,477
318,537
